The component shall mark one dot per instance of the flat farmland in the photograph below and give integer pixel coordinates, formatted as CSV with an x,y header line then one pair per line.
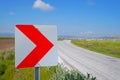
x,y
107,47
6,43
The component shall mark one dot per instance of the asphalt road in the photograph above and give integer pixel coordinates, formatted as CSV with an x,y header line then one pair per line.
x,y
101,66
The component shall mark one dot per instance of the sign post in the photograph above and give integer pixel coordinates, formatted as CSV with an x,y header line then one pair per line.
x,y
37,73
35,46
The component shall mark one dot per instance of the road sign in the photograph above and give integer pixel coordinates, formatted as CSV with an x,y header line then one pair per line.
x,y
35,45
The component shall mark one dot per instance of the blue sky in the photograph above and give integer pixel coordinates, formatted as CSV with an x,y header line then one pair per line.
x,y
72,17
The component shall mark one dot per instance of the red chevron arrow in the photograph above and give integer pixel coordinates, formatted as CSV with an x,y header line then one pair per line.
x,y
43,45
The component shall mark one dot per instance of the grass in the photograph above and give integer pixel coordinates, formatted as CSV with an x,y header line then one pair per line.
x,y
107,47
60,39
4,37
8,71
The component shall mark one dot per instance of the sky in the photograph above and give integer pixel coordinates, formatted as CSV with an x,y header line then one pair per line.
x,y
72,17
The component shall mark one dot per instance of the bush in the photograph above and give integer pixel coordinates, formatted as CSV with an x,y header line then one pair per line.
x,y
63,73
7,55
2,68
1,55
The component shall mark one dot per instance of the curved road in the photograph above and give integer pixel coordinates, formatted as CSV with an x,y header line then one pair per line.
x,y
101,66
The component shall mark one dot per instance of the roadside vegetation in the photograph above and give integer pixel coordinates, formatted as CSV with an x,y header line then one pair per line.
x,y
8,71
60,39
107,47
6,37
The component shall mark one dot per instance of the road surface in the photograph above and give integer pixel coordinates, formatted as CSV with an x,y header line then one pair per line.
x,y
101,66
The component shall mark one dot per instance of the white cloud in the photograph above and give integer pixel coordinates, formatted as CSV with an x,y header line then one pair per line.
x,y
42,5
11,13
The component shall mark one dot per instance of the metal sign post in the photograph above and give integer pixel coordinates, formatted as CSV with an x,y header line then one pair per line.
x,y
37,73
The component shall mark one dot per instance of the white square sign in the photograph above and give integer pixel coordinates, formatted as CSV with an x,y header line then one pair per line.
x,y
35,45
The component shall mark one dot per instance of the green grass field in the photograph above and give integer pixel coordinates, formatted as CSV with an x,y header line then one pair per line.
x,y
60,39
107,47
8,71
2,37
59,72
